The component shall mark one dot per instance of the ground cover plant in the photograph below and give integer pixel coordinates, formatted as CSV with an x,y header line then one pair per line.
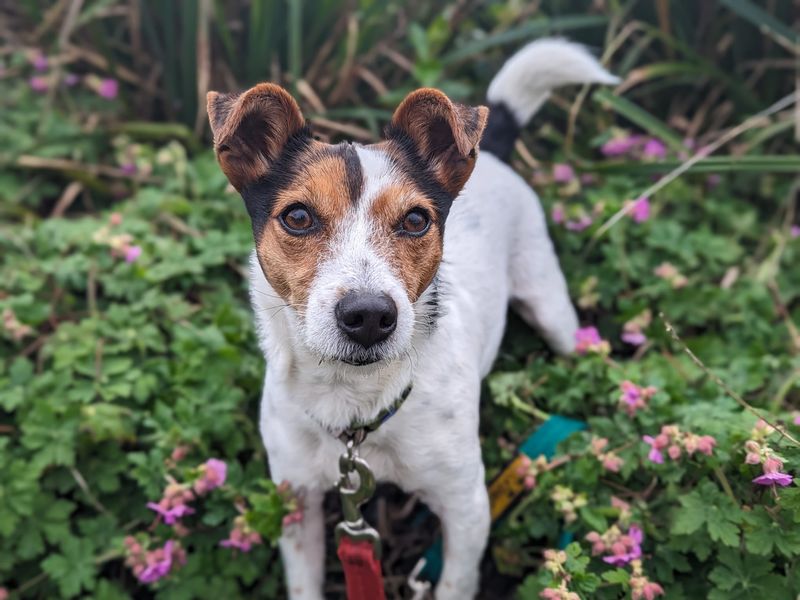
x,y
130,461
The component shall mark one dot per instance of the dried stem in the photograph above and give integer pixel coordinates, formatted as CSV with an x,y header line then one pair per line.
x,y
715,378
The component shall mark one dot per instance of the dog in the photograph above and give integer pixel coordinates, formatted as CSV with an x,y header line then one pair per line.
x,y
389,267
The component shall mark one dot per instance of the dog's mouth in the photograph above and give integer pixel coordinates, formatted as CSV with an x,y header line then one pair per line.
x,y
360,362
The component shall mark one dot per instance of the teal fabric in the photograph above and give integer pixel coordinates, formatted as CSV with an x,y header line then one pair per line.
x,y
542,441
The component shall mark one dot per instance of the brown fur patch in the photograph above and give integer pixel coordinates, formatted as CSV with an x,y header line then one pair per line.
x,y
290,262
414,259
445,134
251,129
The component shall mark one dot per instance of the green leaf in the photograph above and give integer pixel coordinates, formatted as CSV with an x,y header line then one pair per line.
x,y
73,569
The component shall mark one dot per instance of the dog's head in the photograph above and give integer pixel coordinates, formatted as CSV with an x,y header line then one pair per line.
x,y
350,236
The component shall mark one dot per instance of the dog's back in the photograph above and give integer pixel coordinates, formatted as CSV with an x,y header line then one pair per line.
x,y
496,246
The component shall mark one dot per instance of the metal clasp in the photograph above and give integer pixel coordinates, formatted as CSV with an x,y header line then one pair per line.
x,y
353,524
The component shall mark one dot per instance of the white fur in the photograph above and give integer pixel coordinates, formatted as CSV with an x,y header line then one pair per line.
x,y
496,251
525,81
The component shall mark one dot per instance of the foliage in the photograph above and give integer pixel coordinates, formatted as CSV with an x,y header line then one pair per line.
x,y
129,357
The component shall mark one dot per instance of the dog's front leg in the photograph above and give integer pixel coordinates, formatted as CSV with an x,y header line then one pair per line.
x,y
464,513
303,549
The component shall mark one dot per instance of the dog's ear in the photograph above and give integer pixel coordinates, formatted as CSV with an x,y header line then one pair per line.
x,y
251,129
444,134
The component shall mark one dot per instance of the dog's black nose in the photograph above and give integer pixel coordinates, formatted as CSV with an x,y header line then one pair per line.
x,y
366,318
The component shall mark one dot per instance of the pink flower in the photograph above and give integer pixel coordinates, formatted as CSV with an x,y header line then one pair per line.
x,y
158,563
173,514
796,419
71,80
705,444
587,339
242,536
645,589
752,458
620,146
626,548
635,397
563,173
655,454
108,88
39,84
654,148
634,338
774,478
132,253
582,223
640,210
794,231
174,504
674,452
40,62
612,462
557,213
213,474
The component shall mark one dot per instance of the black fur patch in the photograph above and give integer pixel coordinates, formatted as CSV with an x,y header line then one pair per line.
x,y
353,172
415,167
501,132
259,196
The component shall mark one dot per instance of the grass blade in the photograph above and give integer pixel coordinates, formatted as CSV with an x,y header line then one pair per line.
x,y
524,32
766,23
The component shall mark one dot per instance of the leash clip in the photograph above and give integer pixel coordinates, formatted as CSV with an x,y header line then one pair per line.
x,y
353,524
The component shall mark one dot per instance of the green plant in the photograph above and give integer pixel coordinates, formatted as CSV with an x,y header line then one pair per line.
x,y
128,359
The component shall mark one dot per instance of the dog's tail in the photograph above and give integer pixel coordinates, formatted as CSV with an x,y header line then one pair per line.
x,y
525,82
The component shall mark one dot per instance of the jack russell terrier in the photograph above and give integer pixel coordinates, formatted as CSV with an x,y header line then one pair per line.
x,y
391,265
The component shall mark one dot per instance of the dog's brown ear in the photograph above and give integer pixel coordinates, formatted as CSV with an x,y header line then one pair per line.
x,y
445,134
251,129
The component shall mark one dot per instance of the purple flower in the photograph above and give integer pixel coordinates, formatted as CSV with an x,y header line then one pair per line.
x,y
108,88
640,210
40,62
159,564
171,515
713,180
563,173
774,478
129,168
794,231
557,213
634,338
132,253
71,79
654,148
39,84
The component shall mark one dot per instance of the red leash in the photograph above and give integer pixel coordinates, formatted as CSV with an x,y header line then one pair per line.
x,y
362,570
359,545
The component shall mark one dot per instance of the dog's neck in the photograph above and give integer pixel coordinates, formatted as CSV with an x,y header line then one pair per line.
x,y
333,394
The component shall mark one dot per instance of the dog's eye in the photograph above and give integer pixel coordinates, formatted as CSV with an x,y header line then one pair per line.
x,y
297,219
416,222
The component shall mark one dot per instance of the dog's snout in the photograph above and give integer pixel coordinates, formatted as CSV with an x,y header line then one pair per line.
x,y
366,318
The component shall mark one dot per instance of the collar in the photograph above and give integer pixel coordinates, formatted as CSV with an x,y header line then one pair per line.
x,y
357,431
